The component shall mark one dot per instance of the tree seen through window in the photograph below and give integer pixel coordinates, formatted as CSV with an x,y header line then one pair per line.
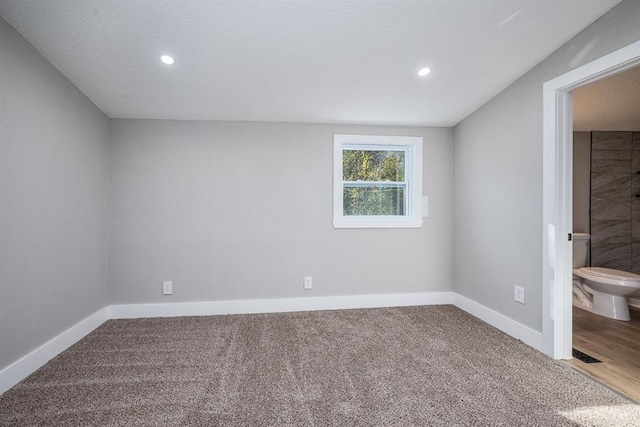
x,y
374,182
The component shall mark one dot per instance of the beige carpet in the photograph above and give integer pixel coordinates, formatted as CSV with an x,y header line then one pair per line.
x,y
423,366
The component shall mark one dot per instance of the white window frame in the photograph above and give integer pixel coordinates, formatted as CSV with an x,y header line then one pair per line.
x,y
412,146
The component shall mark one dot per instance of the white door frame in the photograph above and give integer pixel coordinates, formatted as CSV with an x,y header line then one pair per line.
x,y
557,214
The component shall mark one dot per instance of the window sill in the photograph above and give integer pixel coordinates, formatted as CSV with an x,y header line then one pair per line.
x,y
377,223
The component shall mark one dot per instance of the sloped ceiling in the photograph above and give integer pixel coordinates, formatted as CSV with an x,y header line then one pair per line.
x,y
331,61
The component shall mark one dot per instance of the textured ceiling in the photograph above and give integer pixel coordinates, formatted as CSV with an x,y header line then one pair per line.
x,y
609,104
299,60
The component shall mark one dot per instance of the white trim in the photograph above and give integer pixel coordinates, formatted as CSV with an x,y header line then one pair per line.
x,y
557,189
26,365
283,305
377,222
509,326
412,145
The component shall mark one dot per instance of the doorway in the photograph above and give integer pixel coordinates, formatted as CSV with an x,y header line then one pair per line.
x,y
606,161
558,194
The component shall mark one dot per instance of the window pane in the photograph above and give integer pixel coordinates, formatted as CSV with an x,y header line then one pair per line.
x,y
369,165
373,200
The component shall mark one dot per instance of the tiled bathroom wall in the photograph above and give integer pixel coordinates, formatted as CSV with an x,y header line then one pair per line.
x,y
615,209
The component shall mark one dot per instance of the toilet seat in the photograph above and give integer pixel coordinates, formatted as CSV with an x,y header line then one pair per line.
x,y
610,273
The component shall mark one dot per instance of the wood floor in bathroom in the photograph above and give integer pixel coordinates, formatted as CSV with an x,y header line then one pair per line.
x,y
616,344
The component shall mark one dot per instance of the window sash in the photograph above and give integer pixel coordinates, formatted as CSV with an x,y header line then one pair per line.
x,y
400,209
382,184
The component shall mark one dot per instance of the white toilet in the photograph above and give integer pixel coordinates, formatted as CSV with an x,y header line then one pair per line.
x,y
600,290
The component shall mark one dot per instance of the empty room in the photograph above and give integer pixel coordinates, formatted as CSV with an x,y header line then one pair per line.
x,y
288,213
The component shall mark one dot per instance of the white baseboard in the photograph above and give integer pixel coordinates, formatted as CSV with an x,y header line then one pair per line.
x,y
16,372
206,308
509,326
25,366
634,302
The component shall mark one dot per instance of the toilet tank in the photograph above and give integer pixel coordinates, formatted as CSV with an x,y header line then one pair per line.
x,y
580,249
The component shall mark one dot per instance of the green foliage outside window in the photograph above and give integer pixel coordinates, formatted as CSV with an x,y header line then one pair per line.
x,y
369,178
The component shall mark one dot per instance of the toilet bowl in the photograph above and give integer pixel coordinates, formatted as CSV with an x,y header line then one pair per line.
x,y
609,289
600,290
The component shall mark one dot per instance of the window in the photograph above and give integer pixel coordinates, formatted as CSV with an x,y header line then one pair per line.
x,y
377,181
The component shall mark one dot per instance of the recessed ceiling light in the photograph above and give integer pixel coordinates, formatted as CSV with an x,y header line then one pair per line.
x,y
424,71
167,59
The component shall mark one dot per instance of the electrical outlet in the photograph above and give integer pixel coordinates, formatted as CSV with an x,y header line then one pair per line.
x,y
518,294
308,282
167,288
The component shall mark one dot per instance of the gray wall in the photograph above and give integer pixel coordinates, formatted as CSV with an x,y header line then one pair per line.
x,y
498,177
244,210
53,200
581,181
615,211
